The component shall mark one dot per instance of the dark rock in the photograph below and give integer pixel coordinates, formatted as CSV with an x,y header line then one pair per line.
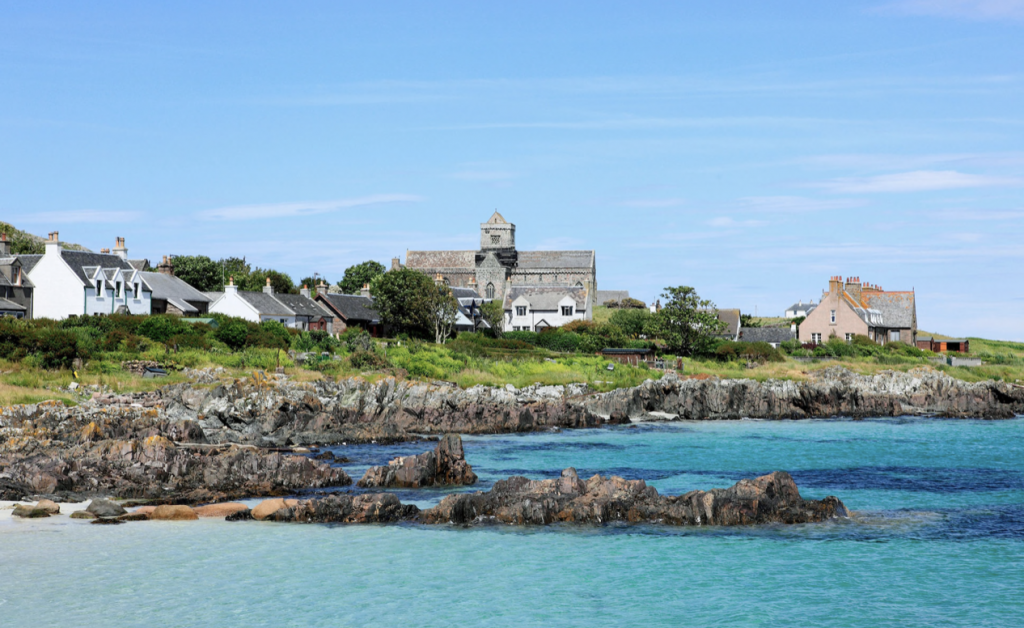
x,y
82,514
365,508
105,508
445,466
13,490
241,515
106,521
134,516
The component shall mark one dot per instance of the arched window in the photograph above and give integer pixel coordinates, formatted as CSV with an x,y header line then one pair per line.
x,y
490,291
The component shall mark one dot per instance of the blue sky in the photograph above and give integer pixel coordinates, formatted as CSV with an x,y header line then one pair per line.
x,y
750,150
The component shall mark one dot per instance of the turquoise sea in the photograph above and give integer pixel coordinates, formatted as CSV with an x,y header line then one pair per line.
x,y
937,540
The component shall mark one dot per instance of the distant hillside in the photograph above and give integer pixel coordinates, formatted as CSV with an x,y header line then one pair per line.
x,y
25,243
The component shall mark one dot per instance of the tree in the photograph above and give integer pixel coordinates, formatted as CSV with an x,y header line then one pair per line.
x,y
198,271
442,311
631,321
401,297
236,268
746,320
311,283
257,280
359,275
494,313
688,324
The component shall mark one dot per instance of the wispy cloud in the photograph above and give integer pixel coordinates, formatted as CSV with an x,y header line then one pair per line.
x,y
796,204
653,203
84,215
484,175
916,181
970,9
285,210
727,221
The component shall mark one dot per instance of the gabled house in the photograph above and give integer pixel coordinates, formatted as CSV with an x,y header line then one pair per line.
x,y
351,310
171,295
534,309
68,283
799,309
309,315
267,306
15,286
855,308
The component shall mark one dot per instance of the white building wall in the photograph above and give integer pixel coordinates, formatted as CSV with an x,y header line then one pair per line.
x,y
231,304
58,292
287,321
553,318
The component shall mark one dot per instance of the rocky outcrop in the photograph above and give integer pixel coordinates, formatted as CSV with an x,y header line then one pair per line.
x,y
444,466
835,391
105,508
772,498
136,453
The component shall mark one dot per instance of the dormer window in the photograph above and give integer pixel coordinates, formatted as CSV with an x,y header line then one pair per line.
x,y
566,310
520,310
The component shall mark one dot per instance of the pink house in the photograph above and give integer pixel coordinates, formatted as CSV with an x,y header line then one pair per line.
x,y
855,308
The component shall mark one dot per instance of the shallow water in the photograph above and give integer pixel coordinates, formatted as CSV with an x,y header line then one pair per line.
x,y
937,539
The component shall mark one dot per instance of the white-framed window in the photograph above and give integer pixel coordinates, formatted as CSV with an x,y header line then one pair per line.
x,y
566,310
849,337
520,310
117,290
894,335
99,287
833,317
816,339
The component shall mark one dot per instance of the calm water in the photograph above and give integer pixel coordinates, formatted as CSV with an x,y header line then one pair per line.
x,y
938,539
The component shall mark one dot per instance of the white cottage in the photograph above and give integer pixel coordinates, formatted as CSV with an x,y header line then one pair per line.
x,y
296,311
78,282
533,309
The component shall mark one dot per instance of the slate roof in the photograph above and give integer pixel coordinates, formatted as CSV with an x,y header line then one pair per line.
x,y
440,259
7,306
898,308
767,334
465,293
173,290
603,296
546,298
555,259
265,303
352,307
78,261
139,264
303,305
732,320
807,307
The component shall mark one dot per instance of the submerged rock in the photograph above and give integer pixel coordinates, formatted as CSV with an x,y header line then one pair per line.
x,y
444,466
105,508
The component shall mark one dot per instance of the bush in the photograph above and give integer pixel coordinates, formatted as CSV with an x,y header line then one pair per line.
x,y
161,327
631,321
749,351
232,332
59,348
367,361
357,339
189,341
791,346
529,337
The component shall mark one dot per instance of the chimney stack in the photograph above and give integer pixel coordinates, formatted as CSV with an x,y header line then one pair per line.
x,y
166,266
365,291
835,284
853,287
120,249
5,245
305,291
268,289
53,243
396,263
231,287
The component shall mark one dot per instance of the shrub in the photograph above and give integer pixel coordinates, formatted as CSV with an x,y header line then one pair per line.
x,y
529,337
357,339
161,327
367,361
790,346
189,341
59,348
631,321
232,332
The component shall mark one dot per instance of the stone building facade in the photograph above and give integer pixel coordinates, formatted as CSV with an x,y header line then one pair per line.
x,y
498,267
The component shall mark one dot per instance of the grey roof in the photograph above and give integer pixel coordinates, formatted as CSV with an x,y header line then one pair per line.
x,y
7,306
603,296
213,296
547,298
555,259
265,303
898,308
303,305
440,259
802,306
731,318
767,334
173,289
8,259
139,264
78,261
465,293
351,307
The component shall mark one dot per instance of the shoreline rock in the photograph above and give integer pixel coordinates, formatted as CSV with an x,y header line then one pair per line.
x,y
444,466
772,498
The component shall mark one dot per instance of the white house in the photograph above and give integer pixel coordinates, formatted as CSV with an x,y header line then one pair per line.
x,y
300,312
533,309
78,282
800,309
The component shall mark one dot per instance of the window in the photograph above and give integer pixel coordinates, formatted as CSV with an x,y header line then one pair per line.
x,y
849,337
117,289
894,335
99,287
495,239
520,310
833,317
816,339
490,291
566,310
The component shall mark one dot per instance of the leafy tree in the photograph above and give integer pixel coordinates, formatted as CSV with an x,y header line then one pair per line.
x,y
494,313
746,320
631,321
403,299
688,324
442,311
257,280
311,282
359,275
232,332
198,271
21,244
235,267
